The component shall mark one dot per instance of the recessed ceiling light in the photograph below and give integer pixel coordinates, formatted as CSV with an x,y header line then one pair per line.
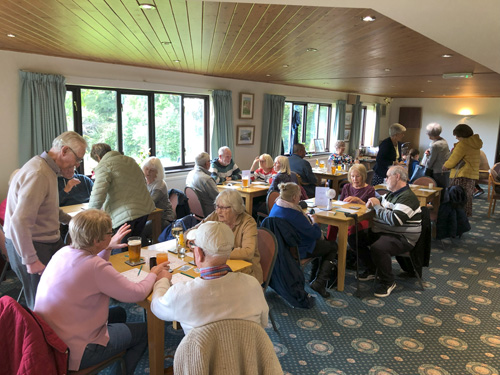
x,y
11,35
387,70
368,18
446,55
429,81
177,61
312,50
285,65
268,75
147,6
421,90
166,43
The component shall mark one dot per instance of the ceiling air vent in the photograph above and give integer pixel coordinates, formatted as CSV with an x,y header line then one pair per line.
x,y
457,75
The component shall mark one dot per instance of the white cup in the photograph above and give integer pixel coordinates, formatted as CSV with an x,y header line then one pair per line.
x,y
431,185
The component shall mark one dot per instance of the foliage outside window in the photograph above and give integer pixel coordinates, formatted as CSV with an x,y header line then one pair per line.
x,y
172,126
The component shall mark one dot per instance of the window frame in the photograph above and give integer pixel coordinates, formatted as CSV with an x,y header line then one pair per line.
x,y
78,126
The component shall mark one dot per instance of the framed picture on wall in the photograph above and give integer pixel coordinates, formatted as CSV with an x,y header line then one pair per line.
x,y
246,105
319,145
245,134
347,135
348,118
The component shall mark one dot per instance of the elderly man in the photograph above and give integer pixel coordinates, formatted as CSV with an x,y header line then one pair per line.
x,y
303,169
120,189
200,181
396,228
224,168
218,293
33,216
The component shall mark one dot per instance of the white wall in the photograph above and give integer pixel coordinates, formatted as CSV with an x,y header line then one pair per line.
x,y
445,112
79,72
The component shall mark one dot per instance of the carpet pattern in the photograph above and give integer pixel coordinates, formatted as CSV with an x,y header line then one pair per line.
x,y
453,327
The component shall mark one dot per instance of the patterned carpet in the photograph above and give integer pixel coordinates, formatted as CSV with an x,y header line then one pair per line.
x,y
451,328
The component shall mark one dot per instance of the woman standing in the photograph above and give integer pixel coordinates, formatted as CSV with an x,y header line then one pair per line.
x,y
464,162
437,153
389,152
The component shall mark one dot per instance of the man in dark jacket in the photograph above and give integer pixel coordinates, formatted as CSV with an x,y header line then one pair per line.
x,y
303,169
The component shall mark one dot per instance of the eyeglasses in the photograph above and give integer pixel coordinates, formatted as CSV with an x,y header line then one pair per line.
x,y
217,207
78,160
110,232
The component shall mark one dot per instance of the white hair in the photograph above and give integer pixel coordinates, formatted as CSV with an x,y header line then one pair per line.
x,y
396,129
201,159
231,198
156,165
71,139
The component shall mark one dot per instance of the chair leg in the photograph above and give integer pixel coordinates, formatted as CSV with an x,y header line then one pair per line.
x,y
20,294
273,322
417,274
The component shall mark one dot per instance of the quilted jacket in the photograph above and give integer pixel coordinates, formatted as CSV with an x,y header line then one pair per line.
x,y
468,151
120,189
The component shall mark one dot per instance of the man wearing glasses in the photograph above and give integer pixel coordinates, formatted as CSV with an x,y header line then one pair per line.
x,y
218,293
32,217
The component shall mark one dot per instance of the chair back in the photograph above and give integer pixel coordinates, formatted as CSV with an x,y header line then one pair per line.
x,y
369,176
268,249
425,181
299,177
381,192
271,199
226,347
194,203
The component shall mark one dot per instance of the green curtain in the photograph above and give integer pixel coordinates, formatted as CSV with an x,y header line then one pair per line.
x,y
340,120
376,134
272,121
223,133
355,127
42,116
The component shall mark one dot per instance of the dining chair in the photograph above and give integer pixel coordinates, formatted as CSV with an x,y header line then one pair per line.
x,y
425,181
194,203
268,249
369,176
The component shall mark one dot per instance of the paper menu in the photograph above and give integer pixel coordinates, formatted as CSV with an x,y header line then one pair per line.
x,y
179,277
162,246
134,275
321,198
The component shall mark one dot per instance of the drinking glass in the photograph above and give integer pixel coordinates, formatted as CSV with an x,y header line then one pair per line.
x,y
134,249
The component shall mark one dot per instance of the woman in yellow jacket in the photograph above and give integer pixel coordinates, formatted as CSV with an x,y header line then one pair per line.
x,y
464,162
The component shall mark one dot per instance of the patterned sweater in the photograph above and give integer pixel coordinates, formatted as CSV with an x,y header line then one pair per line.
x,y
220,172
399,213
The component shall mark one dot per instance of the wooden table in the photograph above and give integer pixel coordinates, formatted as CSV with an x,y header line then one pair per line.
x,y
253,191
338,219
156,327
154,216
323,174
424,195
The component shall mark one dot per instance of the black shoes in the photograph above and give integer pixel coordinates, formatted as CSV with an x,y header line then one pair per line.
x,y
366,276
384,290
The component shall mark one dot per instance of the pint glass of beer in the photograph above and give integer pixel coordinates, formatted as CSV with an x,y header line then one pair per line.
x,y
134,249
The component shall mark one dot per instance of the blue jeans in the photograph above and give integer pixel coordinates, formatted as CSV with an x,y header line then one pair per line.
x,y
132,337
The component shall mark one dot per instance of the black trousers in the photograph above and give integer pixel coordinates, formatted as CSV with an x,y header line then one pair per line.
x,y
376,250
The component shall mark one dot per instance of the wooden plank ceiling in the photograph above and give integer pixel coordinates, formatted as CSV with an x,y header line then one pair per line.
x,y
256,42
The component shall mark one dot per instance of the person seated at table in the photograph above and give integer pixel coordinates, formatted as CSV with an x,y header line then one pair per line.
x,y
312,243
339,156
230,210
224,168
200,181
218,293
157,187
75,190
397,226
356,191
75,289
303,169
284,174
265,171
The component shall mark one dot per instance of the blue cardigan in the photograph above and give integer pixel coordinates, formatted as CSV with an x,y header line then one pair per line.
x,y
309,233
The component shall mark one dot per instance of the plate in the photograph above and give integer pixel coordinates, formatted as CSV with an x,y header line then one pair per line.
x,y
259,183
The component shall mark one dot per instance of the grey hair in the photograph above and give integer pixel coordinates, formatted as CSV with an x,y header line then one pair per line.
x,y
396,129
201,159
360,168
99,150
339,144
401,171
87,227
71,139
223,149
434,129
284,164
231,198
289,190
155,164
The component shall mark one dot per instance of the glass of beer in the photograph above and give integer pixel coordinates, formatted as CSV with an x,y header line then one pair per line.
x,y
176,232
134,249
245,182
161,257
322,164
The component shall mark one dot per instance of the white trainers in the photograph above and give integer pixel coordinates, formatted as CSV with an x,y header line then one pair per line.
x,y
384,290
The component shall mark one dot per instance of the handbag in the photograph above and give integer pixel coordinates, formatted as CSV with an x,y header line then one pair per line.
x,y
418,171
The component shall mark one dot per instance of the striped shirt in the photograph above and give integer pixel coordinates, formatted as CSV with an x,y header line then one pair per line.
x,y
209,273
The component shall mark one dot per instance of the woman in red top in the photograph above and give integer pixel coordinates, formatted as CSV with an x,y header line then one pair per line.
x,y
265,170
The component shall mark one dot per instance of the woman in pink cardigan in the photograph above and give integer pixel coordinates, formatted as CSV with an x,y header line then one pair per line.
x,y
75,288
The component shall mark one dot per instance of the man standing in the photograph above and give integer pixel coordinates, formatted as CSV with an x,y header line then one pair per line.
x,y
396,229
120,189
218,293
200,181
224,168
33,215
303,169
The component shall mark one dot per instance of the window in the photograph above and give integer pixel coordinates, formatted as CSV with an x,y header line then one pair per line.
x,y
368,125
171,126
314,122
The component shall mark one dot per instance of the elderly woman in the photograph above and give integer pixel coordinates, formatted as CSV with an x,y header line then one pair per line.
x,y
339,156
265,170
464,162
230,210
312,245
356,191
75,289
389,152
157,187
437,153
